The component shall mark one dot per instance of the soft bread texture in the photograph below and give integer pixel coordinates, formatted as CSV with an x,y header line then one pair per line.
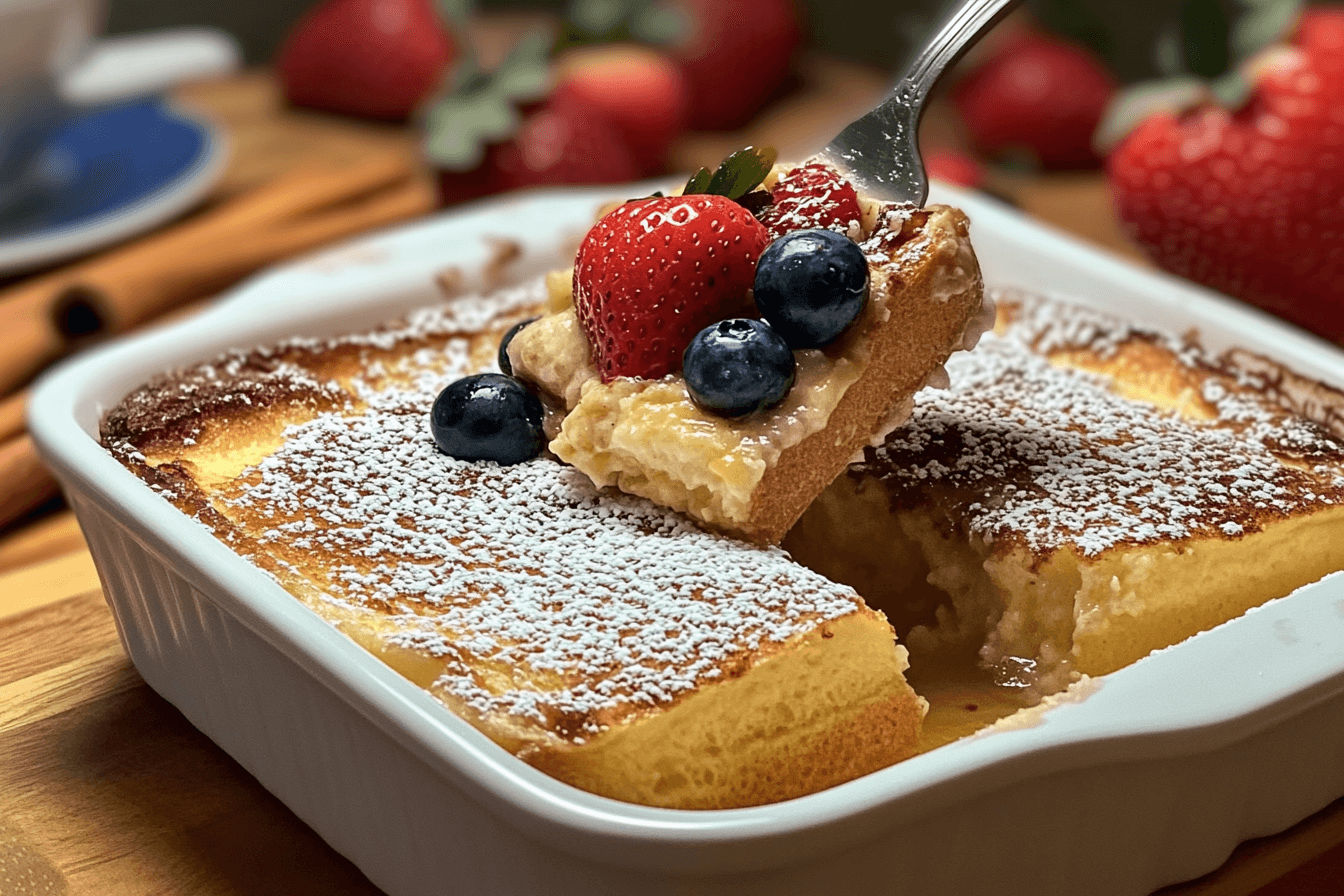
x,y
605,640
1086,493
752,478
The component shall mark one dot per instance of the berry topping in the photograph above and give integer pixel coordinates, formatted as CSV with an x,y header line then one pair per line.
x,y
652,273
488,416
813,195
738,367
1248,200
811,285
504,363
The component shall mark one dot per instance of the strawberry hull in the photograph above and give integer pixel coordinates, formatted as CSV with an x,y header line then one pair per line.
x,y
1251,202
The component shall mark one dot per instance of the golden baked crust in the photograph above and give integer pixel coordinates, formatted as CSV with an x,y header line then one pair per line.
x,y
753,477
604,639
1087,492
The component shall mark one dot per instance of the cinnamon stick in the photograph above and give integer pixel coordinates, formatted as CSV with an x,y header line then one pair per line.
x,y
11,416
49,537
44,318
25,482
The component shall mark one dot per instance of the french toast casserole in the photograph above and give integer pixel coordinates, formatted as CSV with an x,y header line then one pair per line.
x,y
1076,493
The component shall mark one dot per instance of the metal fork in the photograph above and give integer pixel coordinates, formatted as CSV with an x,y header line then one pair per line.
x,y
879,152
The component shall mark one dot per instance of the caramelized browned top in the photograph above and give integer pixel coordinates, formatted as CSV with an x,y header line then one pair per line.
x,y
1033,445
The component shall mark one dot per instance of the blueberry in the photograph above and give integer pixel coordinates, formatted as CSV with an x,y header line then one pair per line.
x,y
488,416
504,363
811,285
737,367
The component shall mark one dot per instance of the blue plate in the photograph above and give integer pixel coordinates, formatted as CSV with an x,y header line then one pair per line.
x,y
109,174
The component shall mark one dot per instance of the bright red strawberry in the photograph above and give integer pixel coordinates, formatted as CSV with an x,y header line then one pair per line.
x,y
654,272
812,195
637,89
368,58
1039,95
735,57
557,143
1251,202
562,142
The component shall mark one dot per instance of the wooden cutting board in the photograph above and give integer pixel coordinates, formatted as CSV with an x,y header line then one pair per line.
x,y
106,790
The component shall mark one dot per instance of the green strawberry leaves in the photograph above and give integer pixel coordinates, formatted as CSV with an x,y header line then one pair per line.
x,y
622,21
1154,39
1210,39
480,108
1261,23
455,14
1202,56
736,176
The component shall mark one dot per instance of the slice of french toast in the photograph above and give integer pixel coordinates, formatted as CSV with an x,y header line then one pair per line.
x,y
604,639
752,477
1088,491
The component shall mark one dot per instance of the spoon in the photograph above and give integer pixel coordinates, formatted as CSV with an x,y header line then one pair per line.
x,y
879,153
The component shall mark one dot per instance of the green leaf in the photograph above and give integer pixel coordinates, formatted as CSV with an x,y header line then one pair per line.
x,y
742,172
459,127
1139,101
736,176
526,73
1232,90
659,25
622,21
597,17
698,183
455,14
1261,24
1167,54
589,22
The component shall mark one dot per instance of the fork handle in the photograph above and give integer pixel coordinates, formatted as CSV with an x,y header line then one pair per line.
x,y
879,152
947,46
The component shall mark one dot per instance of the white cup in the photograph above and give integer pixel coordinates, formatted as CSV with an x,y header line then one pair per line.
x,y
51,67
40,41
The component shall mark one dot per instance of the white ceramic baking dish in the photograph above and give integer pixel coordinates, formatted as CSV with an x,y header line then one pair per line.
x,y
1151,779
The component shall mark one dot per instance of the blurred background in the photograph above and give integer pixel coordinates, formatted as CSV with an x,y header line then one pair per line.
x,y
866,31
155,153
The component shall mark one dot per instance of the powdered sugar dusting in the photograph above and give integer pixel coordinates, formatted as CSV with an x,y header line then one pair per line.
x,y
1049,457
547,599
464,314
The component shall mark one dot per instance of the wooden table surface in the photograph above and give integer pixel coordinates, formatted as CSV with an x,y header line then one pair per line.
x,y
105,789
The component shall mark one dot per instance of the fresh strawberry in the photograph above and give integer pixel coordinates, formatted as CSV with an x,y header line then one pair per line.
x,y
368,58
502,130
654,272
1036,95
563,142
558,143
735,57
812,195
637,89
1251,201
